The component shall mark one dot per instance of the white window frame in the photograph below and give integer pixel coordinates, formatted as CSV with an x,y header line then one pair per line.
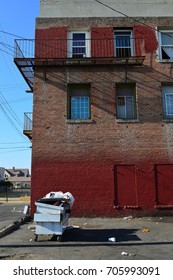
x,y
166,104
125,107
122,110
167,91
131,41
166,46
70,42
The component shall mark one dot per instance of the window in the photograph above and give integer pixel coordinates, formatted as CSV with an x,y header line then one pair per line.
x,y
123,45
78,46
79,101
125,101
167,92
166,44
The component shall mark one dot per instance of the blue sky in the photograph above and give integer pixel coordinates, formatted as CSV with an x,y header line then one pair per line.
x,y
17,18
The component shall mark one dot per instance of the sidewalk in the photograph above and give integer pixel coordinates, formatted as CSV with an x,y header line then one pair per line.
x,y
11,216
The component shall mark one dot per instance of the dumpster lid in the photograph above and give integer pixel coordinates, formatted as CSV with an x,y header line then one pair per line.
x,y
51,201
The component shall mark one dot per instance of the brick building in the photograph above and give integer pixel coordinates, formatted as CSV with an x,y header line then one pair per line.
x,y
102,125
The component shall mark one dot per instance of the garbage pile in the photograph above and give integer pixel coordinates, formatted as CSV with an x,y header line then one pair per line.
x,y
60,196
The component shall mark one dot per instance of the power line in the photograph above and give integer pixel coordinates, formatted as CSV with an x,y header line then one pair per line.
x,y
15,100
4,105
6,52
99,2
9,109
13,88
11,121
17,36
11,34
12,151
7,148
70,52
11,48
11,143
5,43
10,85
131,18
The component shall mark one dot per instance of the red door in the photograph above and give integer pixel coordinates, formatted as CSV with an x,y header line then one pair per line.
x,y
164,184
125,185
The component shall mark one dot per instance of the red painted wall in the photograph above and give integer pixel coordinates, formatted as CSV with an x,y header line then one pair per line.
x,y
51,42
98,191
92,185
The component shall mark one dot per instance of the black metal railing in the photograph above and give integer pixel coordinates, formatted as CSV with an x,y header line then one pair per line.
x,y
66,48
28,121
30,53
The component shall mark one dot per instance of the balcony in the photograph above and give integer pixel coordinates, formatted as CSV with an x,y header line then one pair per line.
x,y
28,125
67,52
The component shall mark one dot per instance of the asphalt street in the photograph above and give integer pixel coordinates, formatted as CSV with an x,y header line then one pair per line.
x,y
126,238
11,212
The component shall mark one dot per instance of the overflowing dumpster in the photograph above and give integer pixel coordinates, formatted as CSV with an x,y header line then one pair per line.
x,y
52,214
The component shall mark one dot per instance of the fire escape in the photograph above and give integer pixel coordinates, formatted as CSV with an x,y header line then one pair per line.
x,y
79,51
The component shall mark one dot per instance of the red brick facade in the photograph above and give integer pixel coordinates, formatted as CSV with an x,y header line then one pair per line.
x,y
111,166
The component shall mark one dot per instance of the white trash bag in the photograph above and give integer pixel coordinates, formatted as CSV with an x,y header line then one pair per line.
x,y
68,197
54,194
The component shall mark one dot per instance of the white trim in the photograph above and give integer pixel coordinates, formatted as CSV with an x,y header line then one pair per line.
x,y
166,103
160,32
70,38
125,106
167,90
131,40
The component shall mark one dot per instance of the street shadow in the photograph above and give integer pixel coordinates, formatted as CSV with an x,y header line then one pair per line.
x,y
99,235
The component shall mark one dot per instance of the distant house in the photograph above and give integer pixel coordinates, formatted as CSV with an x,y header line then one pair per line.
x,y
20,178
2,170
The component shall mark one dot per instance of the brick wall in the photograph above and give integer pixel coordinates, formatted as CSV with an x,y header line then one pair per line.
x,y
84,158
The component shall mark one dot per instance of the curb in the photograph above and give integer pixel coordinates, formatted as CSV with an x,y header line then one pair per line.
x,y
21,199
14,226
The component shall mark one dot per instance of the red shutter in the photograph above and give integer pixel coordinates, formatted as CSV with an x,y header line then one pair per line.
x,y
102,42
51,42
145,40
125,185
164,184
